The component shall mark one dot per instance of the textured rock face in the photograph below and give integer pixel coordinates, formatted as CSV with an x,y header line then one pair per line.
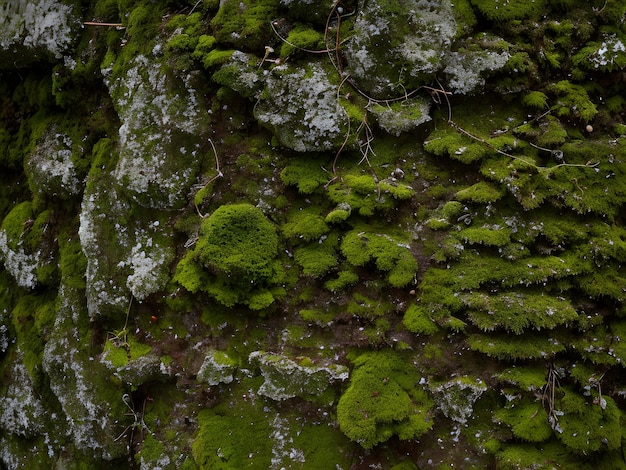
x,y
301,108
37,29
417,206
157,123
285,378
399,43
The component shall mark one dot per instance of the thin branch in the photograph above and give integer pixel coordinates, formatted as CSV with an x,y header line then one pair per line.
x,y
218,174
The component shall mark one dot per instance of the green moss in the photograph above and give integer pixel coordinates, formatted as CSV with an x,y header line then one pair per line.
x,y
235,258
488,236
301,38
319,317
204,45
512,10
543,457
589,424
417,320
389,255
573,101
305,225
122,348
460,147
344,279
383,400
215,57
528,378
509,347
365,307
528,420
245,24
317,259
239,242
306,174
536,100
482,192
367,194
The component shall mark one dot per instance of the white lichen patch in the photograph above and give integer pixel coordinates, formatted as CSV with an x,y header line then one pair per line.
x,y
456,397
21,410
158,117
301,107
217,368
72,371
609,53
414,33
466,69
286,379
402,116
97,211
148,262
45,24
21,265
51,167
284,454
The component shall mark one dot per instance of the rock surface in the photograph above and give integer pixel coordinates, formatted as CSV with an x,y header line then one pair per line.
x,y
417,206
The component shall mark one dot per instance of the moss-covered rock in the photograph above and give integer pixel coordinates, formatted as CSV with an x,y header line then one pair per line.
x,y
383,400
300,107
216,368
285,378
37,30
160,115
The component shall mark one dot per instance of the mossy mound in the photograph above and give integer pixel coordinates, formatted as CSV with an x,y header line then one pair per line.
x,y
235,258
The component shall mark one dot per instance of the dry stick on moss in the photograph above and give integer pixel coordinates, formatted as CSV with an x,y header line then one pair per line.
x,y
540,169
548,395
109,25
218,174
138,421
121,336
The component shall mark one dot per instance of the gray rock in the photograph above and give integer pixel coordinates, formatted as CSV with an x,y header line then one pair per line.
x,y
32,30
286,379
217,368
300,106
456,397
398,46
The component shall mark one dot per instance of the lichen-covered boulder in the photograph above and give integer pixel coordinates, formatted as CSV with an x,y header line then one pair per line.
x,y
467,66
217,368
128,251
26,249
160,116
300,106
32,30
401,116
456,397
285,378
92,404
398,45
21,409
51,167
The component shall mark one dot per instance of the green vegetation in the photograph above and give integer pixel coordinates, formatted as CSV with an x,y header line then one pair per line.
x,y
282,234
383,400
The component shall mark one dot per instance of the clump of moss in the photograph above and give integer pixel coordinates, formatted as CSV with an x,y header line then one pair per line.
x,y
301,38
390,255
383,400
235,258
306,174
367,194
511,10
244,24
